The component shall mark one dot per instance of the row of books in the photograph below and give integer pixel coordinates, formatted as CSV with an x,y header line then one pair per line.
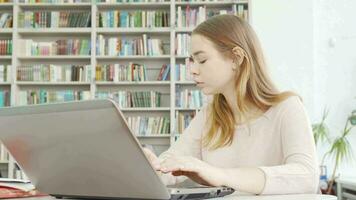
x,y
5,73
183,120
117,46
132,19
54,19
55,1
127,99
58,47
4,98
182,42
54,73
191,17
5,20
5,47
131,72
183,71
30,97
144,126
120,72
189,98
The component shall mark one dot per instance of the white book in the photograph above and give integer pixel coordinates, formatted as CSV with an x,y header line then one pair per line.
x,y
179,13
145,53
23,185
3,153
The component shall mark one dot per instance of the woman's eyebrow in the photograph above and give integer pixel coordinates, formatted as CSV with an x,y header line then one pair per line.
x,y
198,52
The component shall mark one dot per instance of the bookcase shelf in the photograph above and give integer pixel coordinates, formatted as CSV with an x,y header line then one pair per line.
x,y
49,31
5,31
210,4
133,57
51,83
168,89
134,83
6,5
155,5
132,30
54,58
54,5
146,109
5,57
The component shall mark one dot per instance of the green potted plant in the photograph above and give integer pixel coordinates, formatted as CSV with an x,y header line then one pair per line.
x,y
340,148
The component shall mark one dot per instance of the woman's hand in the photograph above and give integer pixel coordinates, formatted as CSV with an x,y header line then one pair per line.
x,y
195,169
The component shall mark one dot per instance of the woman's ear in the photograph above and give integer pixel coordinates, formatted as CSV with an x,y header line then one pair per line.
x,y
238,56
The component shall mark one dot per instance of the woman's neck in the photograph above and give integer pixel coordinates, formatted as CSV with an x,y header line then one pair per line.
x,y
252,112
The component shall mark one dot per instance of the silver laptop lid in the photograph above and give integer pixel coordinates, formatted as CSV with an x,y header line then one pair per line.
x,y
82,148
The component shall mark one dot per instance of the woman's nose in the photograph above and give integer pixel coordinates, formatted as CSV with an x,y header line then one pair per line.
x,y
194,70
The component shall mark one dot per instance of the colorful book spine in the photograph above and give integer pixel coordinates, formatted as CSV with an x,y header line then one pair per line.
x,y
4,98
54,19
183,71
54,73
43,96
149,126
59,47
6,20
189,98
137,99
5,73
164,73
182,44
183,120
120,72
5,47
133,19
143,46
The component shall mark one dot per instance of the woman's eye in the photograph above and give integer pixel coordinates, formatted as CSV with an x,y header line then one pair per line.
x,y
202,62
191,59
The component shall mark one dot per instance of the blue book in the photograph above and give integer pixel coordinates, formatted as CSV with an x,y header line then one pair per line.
x,y
2,99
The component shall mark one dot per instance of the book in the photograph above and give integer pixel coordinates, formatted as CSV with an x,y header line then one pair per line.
x,y
16,188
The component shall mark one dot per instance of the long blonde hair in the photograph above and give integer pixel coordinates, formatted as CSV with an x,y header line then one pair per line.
x,y
252,81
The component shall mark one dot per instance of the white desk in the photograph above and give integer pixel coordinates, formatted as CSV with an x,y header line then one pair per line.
x,y
346,188
248,197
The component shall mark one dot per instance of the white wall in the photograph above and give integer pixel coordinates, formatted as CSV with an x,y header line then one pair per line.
x,y
310,47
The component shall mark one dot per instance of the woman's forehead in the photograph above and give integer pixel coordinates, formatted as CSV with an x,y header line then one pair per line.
x,y
201,45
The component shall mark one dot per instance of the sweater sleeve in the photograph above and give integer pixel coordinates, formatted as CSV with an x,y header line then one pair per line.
x,y
188,144
299,173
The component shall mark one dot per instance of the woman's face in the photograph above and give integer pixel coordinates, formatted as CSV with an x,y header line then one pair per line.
x,y
212,72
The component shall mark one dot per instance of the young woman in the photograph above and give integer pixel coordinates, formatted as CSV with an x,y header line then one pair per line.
x,y
251,137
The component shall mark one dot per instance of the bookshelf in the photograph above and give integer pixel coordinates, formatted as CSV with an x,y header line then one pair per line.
x,y
46,39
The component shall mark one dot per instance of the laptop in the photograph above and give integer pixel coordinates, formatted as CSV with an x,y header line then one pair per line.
x,y
85,149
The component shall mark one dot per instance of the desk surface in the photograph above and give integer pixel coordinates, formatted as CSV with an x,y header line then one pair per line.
x,y
248,197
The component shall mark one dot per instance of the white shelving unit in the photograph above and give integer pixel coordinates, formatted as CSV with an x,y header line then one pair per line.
x,y
167,87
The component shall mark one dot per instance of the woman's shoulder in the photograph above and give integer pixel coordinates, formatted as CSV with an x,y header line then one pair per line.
x,y
290,104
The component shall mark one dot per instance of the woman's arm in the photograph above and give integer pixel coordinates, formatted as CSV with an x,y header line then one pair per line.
x,y
297,174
